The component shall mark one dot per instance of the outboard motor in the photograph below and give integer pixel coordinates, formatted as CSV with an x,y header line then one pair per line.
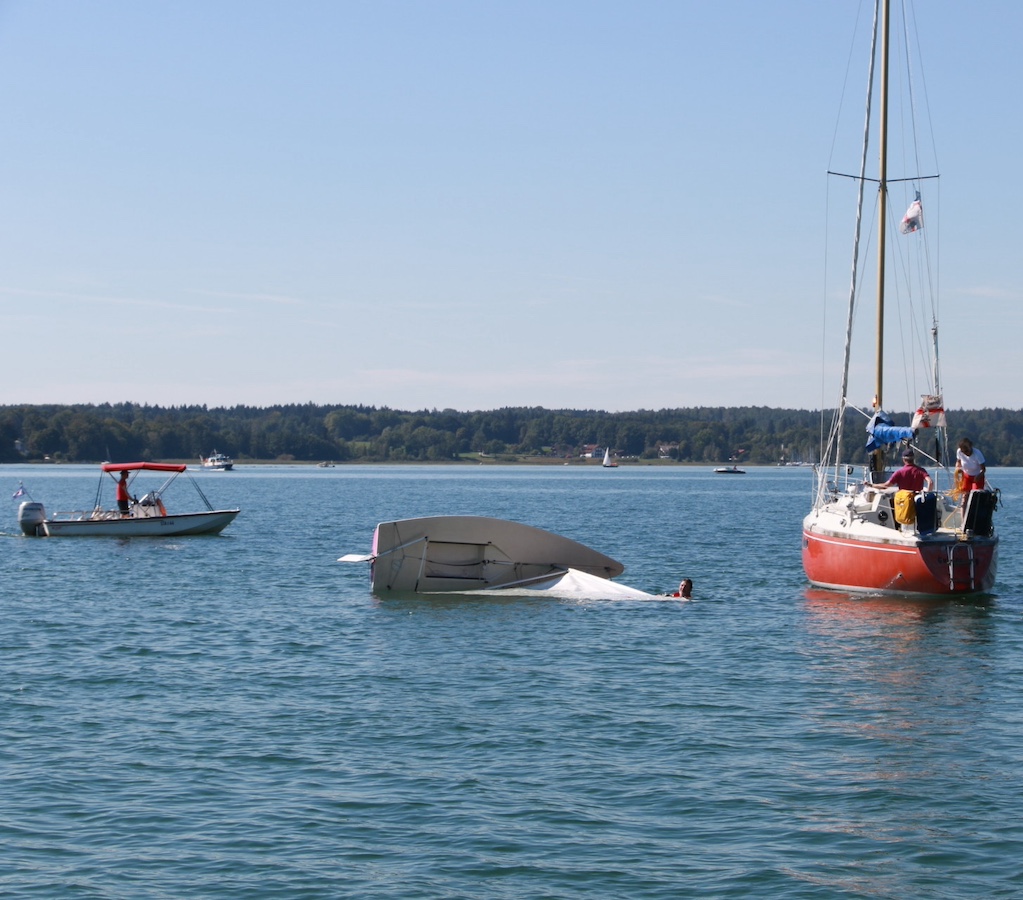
x,y
31,516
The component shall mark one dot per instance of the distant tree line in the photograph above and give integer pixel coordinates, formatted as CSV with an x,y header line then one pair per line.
x,y
756,435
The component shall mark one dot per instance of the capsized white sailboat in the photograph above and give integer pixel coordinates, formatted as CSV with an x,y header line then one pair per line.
x,y
853,539
479,554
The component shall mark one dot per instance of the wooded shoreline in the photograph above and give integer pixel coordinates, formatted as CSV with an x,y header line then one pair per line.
x,y
310,433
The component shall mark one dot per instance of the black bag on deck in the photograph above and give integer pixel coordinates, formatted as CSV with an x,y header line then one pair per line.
x,y
926,512
980,510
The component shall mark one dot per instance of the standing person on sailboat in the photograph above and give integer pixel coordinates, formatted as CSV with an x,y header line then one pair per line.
x,y
971,463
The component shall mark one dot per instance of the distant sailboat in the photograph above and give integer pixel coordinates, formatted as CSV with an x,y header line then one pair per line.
x,y
607,464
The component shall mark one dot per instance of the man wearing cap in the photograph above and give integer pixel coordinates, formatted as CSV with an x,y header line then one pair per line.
x,y
910,477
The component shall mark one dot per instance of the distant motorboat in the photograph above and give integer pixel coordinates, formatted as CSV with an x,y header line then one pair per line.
x,y
147,517
219,461
729,470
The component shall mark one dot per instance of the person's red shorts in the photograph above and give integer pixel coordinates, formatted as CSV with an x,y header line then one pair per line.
x,y
973,482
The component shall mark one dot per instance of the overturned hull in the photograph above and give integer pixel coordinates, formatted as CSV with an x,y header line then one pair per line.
x,y
443,554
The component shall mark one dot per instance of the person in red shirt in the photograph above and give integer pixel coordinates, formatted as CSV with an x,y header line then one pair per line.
x,y
684,592
685,589
910,477
122,493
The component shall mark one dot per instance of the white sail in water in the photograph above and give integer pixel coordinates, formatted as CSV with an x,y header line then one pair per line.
x,y
913,220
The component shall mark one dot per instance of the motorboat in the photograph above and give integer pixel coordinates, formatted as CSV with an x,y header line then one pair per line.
x,y
478,554
858,537
147,516
729,470
219,461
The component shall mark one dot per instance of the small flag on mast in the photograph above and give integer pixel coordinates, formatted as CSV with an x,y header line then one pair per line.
x,y
913,220
930,413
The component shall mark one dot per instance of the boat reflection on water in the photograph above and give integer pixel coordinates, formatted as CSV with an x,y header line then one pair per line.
x,y
880,630
895,695
840,607
829,606
908,667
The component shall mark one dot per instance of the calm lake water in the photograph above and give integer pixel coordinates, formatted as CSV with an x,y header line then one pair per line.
x,y
237,716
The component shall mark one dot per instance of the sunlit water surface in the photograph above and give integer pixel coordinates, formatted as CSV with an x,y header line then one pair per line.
x,y
237,716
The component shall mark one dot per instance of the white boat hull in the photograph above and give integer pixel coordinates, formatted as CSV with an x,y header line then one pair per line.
x,y
444,554
150,526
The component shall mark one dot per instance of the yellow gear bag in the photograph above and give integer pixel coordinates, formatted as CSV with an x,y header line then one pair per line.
x,y
905,507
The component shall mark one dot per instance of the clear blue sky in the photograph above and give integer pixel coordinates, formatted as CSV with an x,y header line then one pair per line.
x,y
563,203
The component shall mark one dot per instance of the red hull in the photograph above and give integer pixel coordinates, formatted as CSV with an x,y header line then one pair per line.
x,y
924,567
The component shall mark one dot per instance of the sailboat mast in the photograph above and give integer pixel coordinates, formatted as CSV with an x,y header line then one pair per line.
x,y
882,206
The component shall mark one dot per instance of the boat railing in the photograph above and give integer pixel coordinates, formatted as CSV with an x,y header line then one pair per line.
x,y
100,514
85,515
833,482
839,479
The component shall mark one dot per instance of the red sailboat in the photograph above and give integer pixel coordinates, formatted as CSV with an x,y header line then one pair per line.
x,y
857,537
